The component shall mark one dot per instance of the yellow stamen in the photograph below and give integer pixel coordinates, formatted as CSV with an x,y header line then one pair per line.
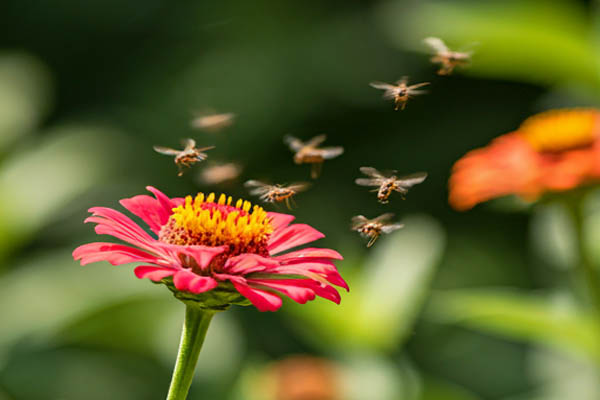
x,y
203,221
560,130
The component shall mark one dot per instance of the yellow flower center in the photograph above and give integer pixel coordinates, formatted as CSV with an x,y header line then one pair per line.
x,y
559,130
202,221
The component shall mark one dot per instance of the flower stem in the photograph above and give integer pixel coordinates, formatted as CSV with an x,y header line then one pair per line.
x,y
587,268
193,333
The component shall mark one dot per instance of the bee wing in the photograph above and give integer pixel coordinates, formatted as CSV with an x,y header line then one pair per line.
x,y
294,143
166,150
417,85
391,228
188,143
382,85
368,182
358,221
408,181
370,171
257,187
317,140
383,217
436,44
402,81
331,152
205,148
298,186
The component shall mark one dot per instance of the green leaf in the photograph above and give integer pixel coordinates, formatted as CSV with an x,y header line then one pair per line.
x,y
519,316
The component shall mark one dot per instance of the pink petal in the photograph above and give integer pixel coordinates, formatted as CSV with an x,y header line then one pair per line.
x,y
186,280
148,209
310,252
279,221
202,284
116,254
202,254
320,289
263,300
292,236
247,263
153,273
163,200
298,293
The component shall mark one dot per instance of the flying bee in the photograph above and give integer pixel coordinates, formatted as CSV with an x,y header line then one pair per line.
x,y
275,193
220,173
447,58
310,153
400,92
186,157
213,122
373,228
388,183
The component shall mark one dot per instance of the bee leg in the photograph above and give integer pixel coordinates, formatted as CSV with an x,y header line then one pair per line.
x,y
287,203
403,105
372,240
315,170
293,202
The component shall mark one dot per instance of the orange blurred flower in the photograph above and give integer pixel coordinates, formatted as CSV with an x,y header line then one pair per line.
x,y
553,151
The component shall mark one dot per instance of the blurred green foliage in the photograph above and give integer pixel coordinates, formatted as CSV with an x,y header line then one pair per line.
x,y
86,89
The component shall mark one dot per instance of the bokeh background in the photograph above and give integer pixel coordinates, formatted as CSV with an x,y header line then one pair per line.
x,y
456,306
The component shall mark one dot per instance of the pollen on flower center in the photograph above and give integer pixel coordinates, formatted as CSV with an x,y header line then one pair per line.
x,y
555,131
202,221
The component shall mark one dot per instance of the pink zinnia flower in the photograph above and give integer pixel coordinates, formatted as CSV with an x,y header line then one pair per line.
x,y
201,242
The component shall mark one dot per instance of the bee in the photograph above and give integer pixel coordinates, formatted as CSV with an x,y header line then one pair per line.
x,y
447,58
389,183
213,122
275,193
309,153
220,173
400,92
186,157
373,228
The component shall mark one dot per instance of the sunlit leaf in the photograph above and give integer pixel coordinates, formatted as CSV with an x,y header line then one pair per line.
x,y
520,316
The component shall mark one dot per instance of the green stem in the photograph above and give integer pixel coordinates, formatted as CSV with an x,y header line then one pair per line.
x,y
194,330
590,274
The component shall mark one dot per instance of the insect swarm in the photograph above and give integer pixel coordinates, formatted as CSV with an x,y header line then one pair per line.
x,y
401,92
388,183
447,58
373,228
275,193
186,157
309,152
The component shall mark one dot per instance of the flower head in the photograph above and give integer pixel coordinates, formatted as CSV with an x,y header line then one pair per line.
x,y
205,245
550,152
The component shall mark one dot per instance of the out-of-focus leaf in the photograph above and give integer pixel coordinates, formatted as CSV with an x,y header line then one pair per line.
x,y
37,183
433,389
25,91
385,296
520,316
539,41
552,236
52,300
556,376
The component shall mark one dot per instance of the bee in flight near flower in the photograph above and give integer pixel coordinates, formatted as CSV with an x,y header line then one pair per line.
x,y
212,122
388,183
373,228
275,193
400,92
310,153
447,58
186,157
